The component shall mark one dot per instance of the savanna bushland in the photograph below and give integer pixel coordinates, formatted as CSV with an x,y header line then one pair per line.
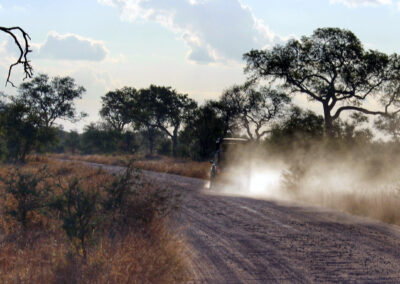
x,y
75,224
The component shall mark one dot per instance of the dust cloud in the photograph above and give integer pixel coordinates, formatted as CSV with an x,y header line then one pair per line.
x,y
364,180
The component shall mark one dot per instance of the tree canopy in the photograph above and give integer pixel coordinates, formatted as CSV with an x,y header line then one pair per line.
x,y
255,109
51,99
114,108
330,67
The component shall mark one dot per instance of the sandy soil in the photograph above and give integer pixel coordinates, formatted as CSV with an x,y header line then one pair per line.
x,y
244,240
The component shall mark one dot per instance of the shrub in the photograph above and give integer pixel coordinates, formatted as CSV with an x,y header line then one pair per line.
x,y
79,210
29,191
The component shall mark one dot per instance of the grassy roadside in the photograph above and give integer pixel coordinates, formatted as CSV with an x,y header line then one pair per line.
x,y
65,222
163,164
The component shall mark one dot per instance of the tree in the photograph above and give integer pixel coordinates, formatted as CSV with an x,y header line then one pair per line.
x,y
19,130
160,108
24,49
51,100
202,129
168,109
72,141
255,109
97,139
299,129
389,125
115,107
330,67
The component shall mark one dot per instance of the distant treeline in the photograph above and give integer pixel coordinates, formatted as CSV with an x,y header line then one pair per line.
x,y
330,68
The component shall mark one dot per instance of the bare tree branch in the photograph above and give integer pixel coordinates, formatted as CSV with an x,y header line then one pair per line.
x,y
24,49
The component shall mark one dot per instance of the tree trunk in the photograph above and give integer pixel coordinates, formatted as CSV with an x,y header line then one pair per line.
x,y
328,122
150,135
175,142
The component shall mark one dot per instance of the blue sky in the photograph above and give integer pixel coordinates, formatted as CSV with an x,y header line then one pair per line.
x,y
195,46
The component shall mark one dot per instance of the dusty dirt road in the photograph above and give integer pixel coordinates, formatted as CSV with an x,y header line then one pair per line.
x,y
244,240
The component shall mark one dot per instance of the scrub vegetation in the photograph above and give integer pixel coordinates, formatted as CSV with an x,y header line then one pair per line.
x,y
69,223
65,222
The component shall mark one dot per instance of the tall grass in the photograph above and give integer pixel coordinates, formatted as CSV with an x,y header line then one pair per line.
x,y
184,167
139,248
362,181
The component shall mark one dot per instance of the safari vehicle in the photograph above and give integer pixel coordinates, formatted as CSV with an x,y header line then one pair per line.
x,y
229,152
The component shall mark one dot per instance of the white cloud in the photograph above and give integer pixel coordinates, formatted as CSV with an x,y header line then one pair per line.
x,y
356,3
213,30
70,47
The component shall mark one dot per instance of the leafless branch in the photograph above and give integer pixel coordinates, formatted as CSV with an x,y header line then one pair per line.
x,y
24,49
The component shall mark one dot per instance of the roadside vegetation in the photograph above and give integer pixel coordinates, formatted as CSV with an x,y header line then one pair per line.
x,y
62,222
162,164
69,223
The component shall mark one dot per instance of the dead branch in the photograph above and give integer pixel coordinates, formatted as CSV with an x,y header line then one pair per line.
x,y
24,49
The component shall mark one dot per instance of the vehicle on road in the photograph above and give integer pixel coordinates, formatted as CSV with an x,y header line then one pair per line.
x,y
229,153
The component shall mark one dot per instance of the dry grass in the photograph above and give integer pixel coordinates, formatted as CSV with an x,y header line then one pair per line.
x,y
383,206
42,253
362,181
163,164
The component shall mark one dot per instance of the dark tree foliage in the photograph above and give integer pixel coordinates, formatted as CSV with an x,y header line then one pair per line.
x,y
163,108
149,110
300,127
330,67
254,109
115,110
353,132
96,139
389,125
24,49
19,129
51,99
72,142
202,130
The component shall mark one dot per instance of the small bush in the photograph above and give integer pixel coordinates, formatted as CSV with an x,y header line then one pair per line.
x,y
79,210
27,192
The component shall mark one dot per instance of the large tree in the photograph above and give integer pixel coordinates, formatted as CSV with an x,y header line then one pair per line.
x,y
202,129
51,99
161,108
330,67
255,108
115,108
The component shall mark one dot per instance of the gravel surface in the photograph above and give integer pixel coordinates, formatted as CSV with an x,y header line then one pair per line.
x,y
244,240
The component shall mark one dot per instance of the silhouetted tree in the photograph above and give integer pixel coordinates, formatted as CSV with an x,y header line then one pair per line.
x,y
51,100
161,108
23,47
19,129
115,107
330,67
168,109
255,109
300,127
72,142
389,125
97,139
204,126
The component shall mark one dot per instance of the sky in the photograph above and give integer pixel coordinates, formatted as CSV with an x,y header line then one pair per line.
x,y
194,46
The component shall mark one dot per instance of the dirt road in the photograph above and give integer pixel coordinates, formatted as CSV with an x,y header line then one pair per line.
x,y
244,240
